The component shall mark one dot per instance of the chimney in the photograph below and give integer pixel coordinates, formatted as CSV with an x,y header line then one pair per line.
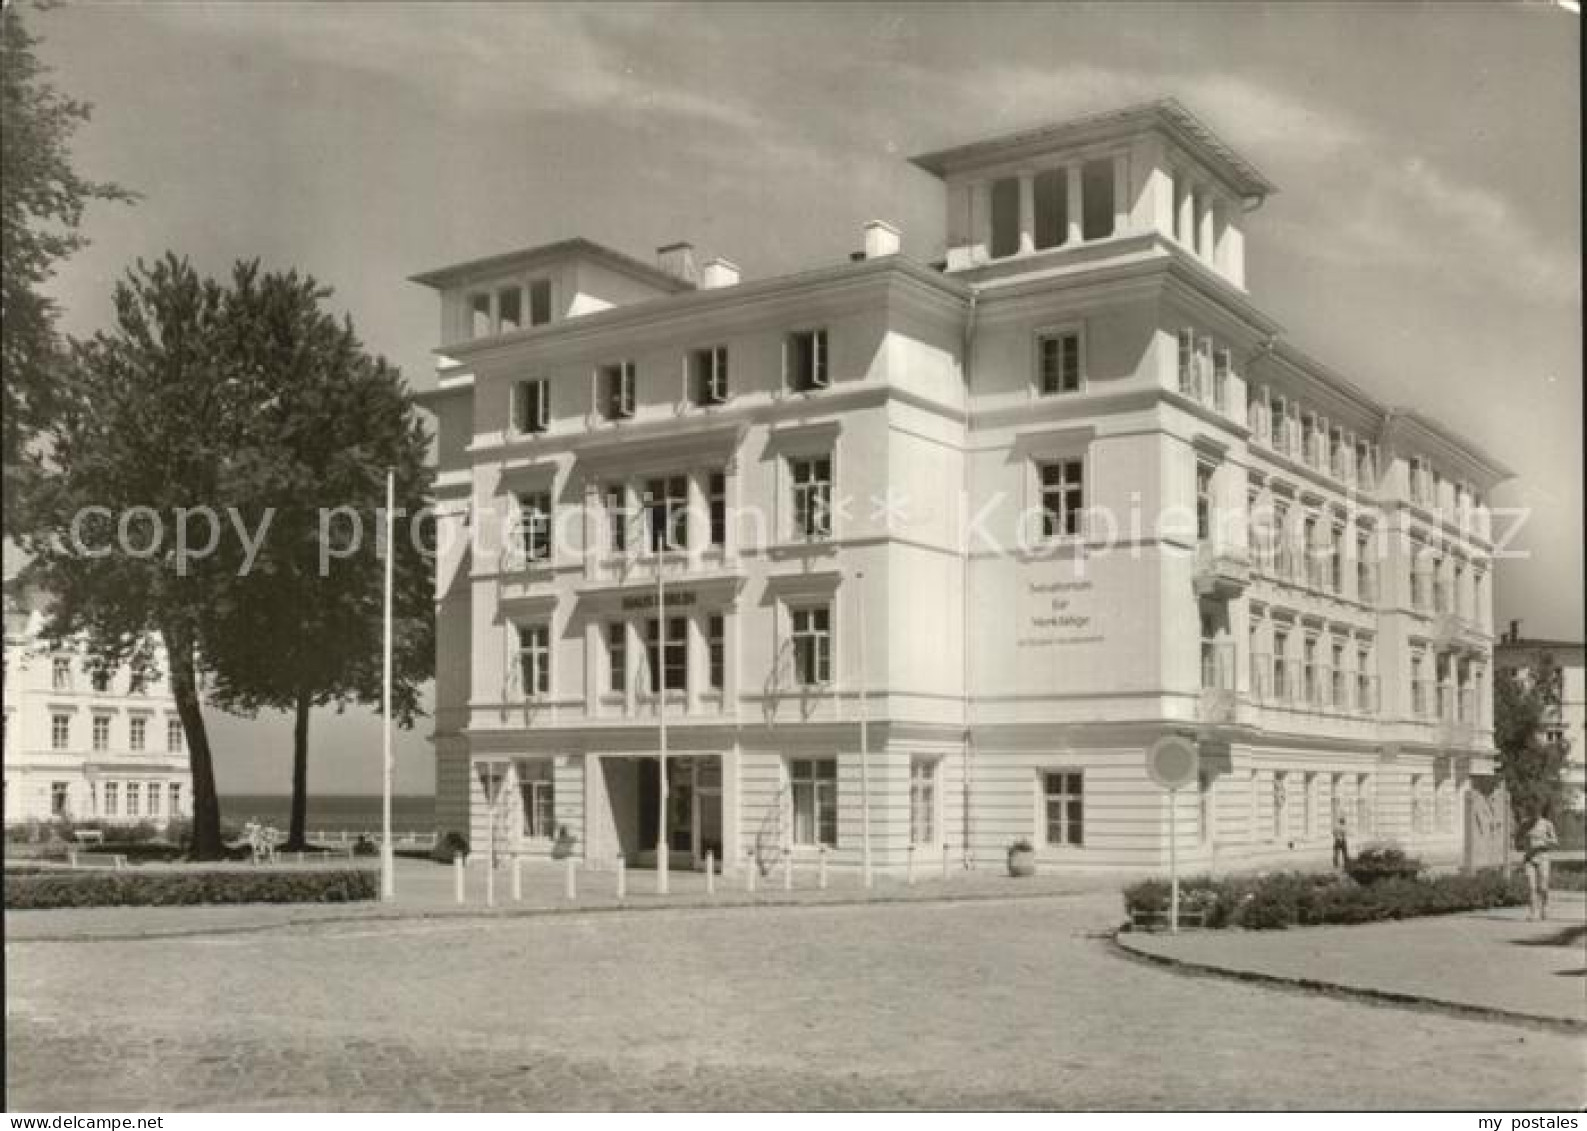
x,y
719,273
677,260
1515,631
881,238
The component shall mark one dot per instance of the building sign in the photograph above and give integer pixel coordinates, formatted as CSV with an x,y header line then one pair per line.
x,y
648,600
1056,611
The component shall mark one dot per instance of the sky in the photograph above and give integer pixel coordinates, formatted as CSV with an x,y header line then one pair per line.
x,y
1425,240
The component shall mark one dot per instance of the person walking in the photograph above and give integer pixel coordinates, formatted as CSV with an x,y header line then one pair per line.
x,y
1540,838
1341,842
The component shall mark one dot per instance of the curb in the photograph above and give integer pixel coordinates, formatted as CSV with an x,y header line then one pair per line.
x,y
1366,994
509,912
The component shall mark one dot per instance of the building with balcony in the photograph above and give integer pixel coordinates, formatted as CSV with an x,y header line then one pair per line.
x,y
82,742
999,520
1561,663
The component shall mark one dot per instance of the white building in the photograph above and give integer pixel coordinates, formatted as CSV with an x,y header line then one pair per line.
x,y
1567,721
1001,520
81,743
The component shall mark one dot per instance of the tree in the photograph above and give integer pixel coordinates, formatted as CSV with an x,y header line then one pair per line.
x,y
1530,764
304,629
146,424
41,208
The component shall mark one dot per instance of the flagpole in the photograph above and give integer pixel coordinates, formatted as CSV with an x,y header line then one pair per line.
x,y
388,871
661,708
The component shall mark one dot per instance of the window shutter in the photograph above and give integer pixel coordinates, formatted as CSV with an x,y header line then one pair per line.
x,y
818,351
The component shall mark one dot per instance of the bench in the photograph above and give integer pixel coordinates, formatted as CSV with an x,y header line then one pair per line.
x,y
113,861
89,836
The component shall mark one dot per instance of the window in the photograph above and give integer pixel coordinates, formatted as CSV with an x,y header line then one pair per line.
x,y
1334,570
479,315
1203,501
1187,362
113,799
153,793
922,801
667,503
1365,590
1280,806
805,361
538,793
615,390
101,737
716,650
58,795
1308,801
615,496
1309,547
137,684
1062,497
1222,366
1064,807
1096,199
673,660
617,656
531,406
61,674
134,799
1005,217
539,302
509,309
1341,683
1280,423
812,496
534,659
1418,805
1281,688
175,795
535,513
812,642
716,501
1058,357
1365,699
813,783
101,680
1310,683
1206,815
60,732
1051,208
137,732
1364,803
708,375
173,735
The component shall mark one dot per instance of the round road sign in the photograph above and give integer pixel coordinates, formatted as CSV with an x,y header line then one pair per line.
x,y
1172,761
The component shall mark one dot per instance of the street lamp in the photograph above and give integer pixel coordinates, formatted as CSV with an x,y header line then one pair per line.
x,y
865,717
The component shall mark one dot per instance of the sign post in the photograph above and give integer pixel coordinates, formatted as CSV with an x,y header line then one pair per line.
x,y
1172,762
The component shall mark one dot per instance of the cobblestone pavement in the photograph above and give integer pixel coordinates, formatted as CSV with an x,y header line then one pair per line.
x,y
996,1004
1492,959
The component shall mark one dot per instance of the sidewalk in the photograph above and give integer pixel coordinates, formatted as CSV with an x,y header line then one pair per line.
x,y
426,890
1493,961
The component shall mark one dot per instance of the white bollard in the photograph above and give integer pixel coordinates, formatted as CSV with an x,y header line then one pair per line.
x,y
787,869
909,866
752,867
517,879
710,874
821,869
945,863
570,882
622,879
457,872
490,879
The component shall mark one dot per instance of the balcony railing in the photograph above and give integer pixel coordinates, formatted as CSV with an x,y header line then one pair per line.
x,y
1221,571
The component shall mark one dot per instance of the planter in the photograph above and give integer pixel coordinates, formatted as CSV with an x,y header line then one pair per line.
x,y
1022,862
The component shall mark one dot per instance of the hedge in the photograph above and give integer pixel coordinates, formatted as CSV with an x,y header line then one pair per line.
x,y
1567,875
167,889
1283,899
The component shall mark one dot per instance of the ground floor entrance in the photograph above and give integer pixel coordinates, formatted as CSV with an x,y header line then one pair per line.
x,y
693,814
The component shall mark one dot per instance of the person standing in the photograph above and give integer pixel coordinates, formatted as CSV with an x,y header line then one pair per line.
x,y
1341,842
1540,838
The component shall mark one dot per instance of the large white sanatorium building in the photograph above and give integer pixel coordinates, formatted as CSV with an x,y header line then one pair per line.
x,y
1000,521
83,743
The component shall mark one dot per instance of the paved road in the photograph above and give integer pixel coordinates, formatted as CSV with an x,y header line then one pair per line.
x,y
1001,1004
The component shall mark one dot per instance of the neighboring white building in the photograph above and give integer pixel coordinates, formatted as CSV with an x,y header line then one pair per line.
x,y
1568,721
992,442
81,744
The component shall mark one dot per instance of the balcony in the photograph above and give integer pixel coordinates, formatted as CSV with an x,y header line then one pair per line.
x,y
1222,572
1456,722
1452,628
1217,704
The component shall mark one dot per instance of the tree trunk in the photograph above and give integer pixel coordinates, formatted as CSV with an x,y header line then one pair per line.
x,y
297,836
207,844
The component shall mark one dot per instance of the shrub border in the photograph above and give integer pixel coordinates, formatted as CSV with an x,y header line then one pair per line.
x,y
188,888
